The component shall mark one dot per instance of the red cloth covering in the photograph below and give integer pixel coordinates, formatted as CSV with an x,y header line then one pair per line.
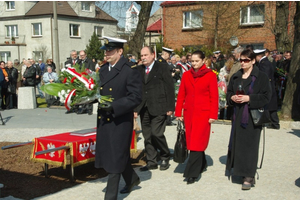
x,y
82,149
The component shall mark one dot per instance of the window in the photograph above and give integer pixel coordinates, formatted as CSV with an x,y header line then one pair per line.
x,y
10,5
98,31
36,55
11,31
74,30
5,56
192,19
253,14
255,46
36,29
85,6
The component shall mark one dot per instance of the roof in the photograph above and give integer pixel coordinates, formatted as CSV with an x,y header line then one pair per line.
x,y
155,27
100,14
63,8
174,3
46,7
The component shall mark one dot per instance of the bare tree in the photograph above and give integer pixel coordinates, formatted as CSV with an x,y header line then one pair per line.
x,y
290,106
136,42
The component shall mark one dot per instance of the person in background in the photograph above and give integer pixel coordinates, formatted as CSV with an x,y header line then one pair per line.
x,y
42,66
244,139
236,65
18,66
48,78
4,84
197,105
11,97
266,66
52,64
29,76
38,78
87,62
73,59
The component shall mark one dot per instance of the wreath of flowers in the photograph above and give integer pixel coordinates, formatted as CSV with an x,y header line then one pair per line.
x,y
78,86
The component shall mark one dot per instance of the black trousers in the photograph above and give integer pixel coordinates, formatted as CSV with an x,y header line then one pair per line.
x,y
153,128
195,164
11,100
274,118
112,188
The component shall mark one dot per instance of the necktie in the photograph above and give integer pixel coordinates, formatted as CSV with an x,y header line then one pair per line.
x,y
74,62
148,70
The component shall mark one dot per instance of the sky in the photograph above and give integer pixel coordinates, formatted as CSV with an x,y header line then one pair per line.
x,y
117,9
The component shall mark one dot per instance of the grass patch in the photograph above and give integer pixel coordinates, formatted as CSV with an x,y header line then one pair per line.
x,y
41,103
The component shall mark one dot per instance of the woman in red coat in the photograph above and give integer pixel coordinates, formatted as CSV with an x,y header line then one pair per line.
x,y
198,99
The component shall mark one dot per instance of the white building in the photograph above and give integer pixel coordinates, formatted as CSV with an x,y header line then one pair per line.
x,y
132,18
31,24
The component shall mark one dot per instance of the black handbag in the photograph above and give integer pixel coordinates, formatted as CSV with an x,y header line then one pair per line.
x,y
260,116
180,150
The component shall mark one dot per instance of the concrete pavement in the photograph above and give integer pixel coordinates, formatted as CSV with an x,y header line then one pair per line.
x,y
279,177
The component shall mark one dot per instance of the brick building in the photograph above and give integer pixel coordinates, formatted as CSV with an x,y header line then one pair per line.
x,y
212,24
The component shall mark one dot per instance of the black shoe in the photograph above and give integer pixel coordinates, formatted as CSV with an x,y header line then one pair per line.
x,y
128,188
190,180
171,124
164,165
148,167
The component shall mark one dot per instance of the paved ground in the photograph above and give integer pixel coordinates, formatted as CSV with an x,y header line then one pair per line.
x,y
278,179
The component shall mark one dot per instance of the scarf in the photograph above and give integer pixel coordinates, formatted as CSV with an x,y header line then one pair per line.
x,y
201,72
245,114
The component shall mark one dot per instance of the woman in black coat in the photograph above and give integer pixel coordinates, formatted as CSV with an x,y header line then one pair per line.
x,y
11,97
244,139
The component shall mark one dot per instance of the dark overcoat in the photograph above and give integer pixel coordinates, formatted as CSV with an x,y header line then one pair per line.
x,y
158,90
114,130
266,66
244,142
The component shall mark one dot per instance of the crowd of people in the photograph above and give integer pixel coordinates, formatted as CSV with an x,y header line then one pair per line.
x,y
145,88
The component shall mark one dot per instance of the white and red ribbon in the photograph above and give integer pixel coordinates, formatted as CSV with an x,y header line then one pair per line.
x,y
89,83
68,99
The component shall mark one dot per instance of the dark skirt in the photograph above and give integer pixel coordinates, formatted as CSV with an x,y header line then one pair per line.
x,y
196,164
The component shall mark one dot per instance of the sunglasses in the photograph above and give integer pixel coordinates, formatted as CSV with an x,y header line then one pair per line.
x,y
245,60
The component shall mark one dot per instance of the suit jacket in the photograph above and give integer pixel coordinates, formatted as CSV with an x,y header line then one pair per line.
x,y
88,64
158,90
30,76
114,130
266,66
70,61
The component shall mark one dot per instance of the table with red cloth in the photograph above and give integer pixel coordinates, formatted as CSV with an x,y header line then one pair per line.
x,y
81,150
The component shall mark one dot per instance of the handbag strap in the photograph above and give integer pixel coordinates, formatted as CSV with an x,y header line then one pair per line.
x,y
263,152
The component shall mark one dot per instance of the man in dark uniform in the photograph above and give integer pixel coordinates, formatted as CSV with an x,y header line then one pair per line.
x,y
165,55
115,120
266,66
158,102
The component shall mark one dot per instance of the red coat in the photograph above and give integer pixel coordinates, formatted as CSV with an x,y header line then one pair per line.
x,y
199,100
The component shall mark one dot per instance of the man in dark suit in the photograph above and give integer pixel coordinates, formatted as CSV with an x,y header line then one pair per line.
x,y
73,58
84,60
123,82
266,66
158,102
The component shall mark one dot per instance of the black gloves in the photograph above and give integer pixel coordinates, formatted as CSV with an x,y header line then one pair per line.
x,y
106,106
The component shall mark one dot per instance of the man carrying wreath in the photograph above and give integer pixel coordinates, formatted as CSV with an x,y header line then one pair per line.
x,y
123,82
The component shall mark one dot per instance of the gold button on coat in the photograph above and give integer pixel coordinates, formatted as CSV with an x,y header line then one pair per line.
x,y
99,117
108,119
101,88
110,89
